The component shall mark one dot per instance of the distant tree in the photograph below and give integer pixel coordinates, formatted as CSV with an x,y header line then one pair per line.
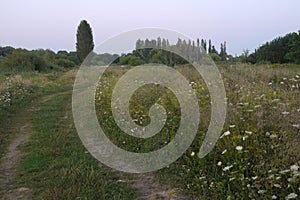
x,y
139,44
204,45
245,55
209,47
158,42
85,43
164,43
223,53
213,50
4,51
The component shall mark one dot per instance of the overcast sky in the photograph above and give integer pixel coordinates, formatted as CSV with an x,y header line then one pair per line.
x,y
244,24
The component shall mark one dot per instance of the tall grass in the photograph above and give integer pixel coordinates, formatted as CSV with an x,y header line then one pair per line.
x,y
257,157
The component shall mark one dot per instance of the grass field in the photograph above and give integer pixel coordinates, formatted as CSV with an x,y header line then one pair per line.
x,y
257,156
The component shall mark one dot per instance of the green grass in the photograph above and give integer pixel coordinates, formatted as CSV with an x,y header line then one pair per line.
x,y
263,104
57,166
21,91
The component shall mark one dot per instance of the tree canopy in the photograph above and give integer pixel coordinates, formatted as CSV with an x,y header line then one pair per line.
x,y
280,50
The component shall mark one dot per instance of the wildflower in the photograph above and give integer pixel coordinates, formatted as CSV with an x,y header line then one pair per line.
x,y
296,126
277,185
274,197
284,171
239,148
294,167
227,168
219,163
285,113
272,136
225,134
248,132
231,126
223,152
291,196
192,154
231,179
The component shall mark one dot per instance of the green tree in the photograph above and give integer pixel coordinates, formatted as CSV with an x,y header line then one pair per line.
x,y
85,43
245,55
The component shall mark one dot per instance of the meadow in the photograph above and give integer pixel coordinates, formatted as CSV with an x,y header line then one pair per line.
x,y
256,157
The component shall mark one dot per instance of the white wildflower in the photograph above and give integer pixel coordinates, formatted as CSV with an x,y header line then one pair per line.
x,y
231,126
277,185
219,163
227,168
239,148
285,113
223,152
284,171
225,134
274,197
291,196
296,126
248,132
273,136
193,153
294,167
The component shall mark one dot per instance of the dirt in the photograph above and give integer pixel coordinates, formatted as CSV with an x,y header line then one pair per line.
x,y
10,163
150,189
20,129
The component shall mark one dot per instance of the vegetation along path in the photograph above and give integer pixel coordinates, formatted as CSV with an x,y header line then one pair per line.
x,y
44,159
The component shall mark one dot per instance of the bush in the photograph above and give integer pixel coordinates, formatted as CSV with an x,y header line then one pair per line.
x,y
22,60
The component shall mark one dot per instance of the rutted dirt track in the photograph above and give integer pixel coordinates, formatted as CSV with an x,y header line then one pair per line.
x,y
10,189
21,129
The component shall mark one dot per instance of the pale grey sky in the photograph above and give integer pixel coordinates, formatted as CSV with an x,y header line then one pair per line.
x,y
52,24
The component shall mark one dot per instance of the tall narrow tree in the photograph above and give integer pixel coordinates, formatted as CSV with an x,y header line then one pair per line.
x,y
85,43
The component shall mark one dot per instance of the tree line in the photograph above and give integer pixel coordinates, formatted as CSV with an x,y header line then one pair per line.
x,y
161,51
280,50
284,49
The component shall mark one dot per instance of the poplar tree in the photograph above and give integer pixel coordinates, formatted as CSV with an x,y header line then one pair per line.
x,y
85,43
